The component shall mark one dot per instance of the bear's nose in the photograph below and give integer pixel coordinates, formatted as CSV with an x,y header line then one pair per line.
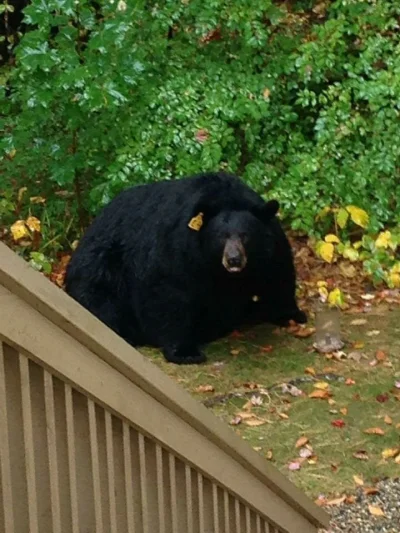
x,y
234,261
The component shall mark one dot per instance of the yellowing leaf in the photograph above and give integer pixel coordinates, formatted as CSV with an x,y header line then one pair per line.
x,y
21,193
326,251
384,239
335,298
19,230
388,453
358,215
375,510
321,385
350,253
332,238
342,217
374,431
394,279
358,481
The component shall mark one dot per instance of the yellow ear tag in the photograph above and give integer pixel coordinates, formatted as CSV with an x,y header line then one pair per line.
x,y
196,222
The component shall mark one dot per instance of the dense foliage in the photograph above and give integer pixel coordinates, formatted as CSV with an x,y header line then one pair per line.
x,y
301,98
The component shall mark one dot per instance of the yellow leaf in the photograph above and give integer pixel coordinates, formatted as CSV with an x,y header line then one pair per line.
x,y
335,298
322,284
358,481
394,279
323,292
19,230
21,193
321,385
384,239
284,416
375,510
326,251
323,213
350,253
332,238
33,224
310,370
388,420
358,215
388,453
266,94
37,200
343,410
374,431
342,217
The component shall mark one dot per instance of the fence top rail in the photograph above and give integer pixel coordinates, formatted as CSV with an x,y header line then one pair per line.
x,y
55,305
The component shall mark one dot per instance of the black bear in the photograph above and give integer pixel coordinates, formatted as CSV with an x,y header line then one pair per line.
x,y
177,264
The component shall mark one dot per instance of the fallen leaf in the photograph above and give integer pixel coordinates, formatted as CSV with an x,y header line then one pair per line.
x,y
268,455
33,224
302,441
374,431
295,465
382,398
358,345
256,400
204,388
358,481
235,421
321,385
19,230
245,415
310,370
331,401
370,491
291,389
356,356
368,297
350,499
304,332
397,460
375,510
336,501
397,384
389,453
358,322
343,410
380,356
361,454
319,394
338,423
254,422
348,271
250,385
257,448
284,416
267,349
373,333
388,420
37,200
305,453
235,352
350,381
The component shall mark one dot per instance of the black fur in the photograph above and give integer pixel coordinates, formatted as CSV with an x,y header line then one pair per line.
x,y
141,270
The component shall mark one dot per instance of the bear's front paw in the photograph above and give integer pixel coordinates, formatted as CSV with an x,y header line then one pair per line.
x,y
184,355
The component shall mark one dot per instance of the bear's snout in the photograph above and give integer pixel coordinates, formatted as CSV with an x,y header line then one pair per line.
x,y
234,257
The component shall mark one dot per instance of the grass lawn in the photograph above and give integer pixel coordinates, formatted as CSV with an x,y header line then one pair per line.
x,y
358,396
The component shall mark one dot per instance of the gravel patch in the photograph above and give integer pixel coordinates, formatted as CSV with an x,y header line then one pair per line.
x,y
357,518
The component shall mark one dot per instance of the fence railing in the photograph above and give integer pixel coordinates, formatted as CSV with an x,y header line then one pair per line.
x,y
94,438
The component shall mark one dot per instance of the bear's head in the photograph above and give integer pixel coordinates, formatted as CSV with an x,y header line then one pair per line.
x,y
238,240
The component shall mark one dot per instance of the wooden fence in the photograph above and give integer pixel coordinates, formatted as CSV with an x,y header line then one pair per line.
x,y
94,438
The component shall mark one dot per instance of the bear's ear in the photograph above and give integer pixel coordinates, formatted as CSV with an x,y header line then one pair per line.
x,y
268,210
